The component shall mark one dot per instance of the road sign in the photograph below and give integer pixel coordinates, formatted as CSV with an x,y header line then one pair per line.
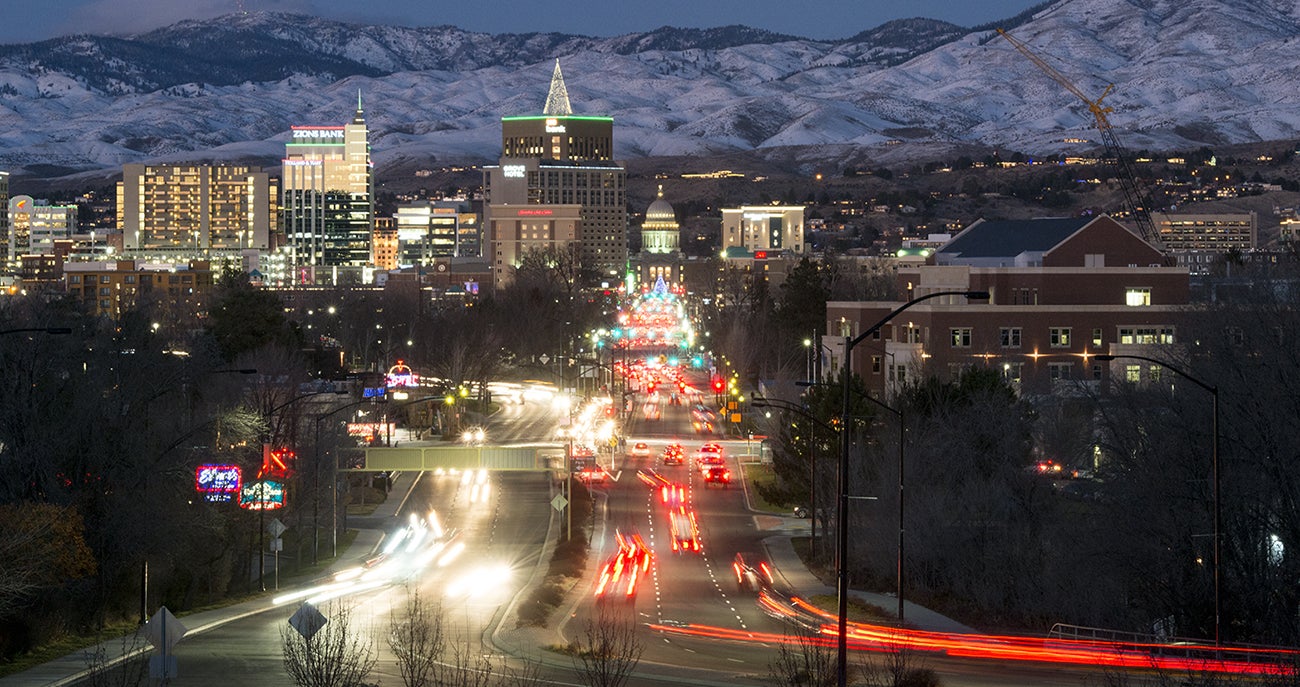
x,y
307,620
276,528
277,545
164,630
162,667
559,502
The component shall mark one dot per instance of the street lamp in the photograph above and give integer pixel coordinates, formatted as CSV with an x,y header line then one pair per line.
x,y
1214,472
760,402
841,525
902,428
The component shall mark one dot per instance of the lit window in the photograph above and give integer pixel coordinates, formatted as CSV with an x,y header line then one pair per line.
x,y
1137,296
1096,338
1059,337
1133,373
1012,372
961,337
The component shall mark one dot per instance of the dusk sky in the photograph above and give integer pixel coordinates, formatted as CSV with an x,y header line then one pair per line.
x,y
823,19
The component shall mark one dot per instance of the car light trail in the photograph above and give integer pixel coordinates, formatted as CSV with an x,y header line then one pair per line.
x,y
865,637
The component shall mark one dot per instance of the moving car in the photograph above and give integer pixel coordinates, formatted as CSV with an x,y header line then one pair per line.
x,y
674,454
624,570
753,574
717,475
640,450
685,533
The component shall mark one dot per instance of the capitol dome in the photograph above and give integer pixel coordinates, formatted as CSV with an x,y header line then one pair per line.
x,y
660,210
659,231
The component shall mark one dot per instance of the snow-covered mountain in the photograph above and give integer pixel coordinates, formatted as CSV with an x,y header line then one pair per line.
x,y
1186,73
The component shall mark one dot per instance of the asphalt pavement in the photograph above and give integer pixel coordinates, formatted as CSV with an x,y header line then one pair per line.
x,y
523,641
75,666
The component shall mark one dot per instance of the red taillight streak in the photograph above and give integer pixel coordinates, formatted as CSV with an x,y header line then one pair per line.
x,y
1007,647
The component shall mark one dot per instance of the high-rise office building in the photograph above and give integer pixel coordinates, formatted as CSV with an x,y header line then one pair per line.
x,y
429,230
188,211
34,226
558,158
328,201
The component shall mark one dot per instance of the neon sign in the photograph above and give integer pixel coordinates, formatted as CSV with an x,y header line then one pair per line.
x,y
535,213
264,495
371,429
217,482
400,375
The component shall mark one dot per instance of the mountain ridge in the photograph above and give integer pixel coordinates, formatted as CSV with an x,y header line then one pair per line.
x,y
1188,73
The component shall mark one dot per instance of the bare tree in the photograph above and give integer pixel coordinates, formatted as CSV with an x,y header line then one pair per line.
x,y
527,675
128,667
896,666
417,639
804,659
608,650
428,654
337,655
462,666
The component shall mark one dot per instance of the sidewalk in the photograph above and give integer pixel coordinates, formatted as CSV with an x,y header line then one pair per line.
x,y
74,667
799,580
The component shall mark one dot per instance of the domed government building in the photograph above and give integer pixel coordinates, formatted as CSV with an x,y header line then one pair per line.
x,y
661,256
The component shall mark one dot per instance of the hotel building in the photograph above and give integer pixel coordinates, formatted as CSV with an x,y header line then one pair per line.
x,y
558,159
188,211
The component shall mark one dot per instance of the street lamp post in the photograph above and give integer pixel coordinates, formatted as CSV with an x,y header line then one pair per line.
x,y
812,456
841,525
1214,474
902,428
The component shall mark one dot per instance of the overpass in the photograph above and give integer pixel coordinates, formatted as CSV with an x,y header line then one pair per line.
x,y
528,457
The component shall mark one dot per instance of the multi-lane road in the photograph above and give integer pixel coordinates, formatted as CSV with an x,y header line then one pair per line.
x,y
500,523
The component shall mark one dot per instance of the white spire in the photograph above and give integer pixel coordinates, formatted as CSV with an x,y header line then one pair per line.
x,y
557,100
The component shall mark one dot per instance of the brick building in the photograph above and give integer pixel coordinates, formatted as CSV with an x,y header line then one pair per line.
x,y
1061,290
108,288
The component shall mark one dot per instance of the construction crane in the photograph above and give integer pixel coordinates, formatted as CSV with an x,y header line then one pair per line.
x,y
1128,184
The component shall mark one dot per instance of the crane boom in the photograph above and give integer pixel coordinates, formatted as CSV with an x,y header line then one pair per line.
x,y
1128,184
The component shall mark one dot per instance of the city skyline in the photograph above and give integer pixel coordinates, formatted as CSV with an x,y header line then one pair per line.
x,y
835,19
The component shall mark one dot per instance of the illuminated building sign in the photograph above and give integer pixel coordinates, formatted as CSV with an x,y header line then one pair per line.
x,y
317,133
371,429
760,255
264,495
302,163
512,171
400,375
553,126
374,392
217,482
536,213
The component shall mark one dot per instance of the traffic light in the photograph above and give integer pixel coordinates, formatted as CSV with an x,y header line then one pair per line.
x,y
718,385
